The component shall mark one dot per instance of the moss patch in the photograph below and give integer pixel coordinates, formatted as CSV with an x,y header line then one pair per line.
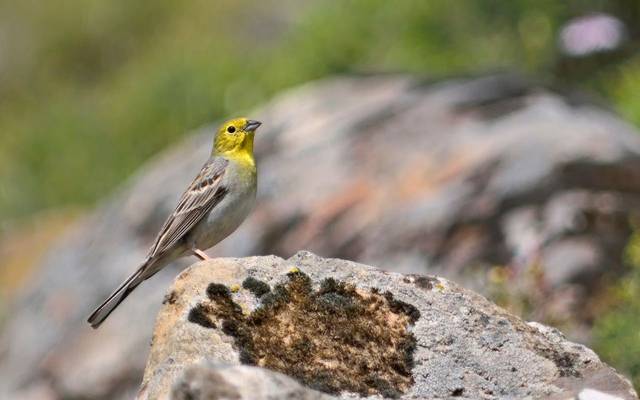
x,y
332,339
200,315
258,288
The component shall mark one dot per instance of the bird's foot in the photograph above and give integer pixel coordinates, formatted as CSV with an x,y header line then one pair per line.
x,y
201,254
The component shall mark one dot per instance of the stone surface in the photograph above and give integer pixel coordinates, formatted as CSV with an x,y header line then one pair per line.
x,y
501,184
206,381
461,345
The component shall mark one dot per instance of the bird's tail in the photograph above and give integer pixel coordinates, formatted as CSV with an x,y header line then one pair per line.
x,y
102,312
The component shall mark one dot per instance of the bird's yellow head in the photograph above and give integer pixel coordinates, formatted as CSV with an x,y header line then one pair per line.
x,y
235,138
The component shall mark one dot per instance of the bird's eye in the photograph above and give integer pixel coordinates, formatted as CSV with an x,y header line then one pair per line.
x,y
231,129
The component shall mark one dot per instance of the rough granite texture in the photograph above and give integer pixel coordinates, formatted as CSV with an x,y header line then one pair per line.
x,y
207,381
465,346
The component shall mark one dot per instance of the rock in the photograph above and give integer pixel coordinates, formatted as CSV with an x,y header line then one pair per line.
x,y
350,330
206,381
496,182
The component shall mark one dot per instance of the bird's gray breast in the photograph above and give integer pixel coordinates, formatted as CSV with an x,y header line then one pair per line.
x,y
230,212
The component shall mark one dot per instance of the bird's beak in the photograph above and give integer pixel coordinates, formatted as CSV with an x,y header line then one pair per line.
x,y
252,125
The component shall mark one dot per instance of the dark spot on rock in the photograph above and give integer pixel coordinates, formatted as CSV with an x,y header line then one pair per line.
x,y
448,341
424,282
323,382
199,315
258,288
407,348
333,339
330,285
457,392
272,300
334,302
399,307
230,327
382,386
484,318
564,361
246,357
170,298
217,290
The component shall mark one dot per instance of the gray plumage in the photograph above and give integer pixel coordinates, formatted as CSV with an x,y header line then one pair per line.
x,y
212,207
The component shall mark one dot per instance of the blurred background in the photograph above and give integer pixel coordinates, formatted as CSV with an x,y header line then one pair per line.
x,y
93,90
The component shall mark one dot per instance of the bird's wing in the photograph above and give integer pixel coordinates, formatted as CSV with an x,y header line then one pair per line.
x,y
200,197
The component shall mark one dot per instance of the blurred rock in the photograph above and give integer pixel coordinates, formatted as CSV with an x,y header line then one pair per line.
x,y
510,188
351,330
22,248
206,381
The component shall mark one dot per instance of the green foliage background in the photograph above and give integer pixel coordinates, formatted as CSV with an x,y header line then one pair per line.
x,y
617,333
90,89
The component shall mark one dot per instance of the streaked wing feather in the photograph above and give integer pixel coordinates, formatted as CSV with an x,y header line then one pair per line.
x,y
202,195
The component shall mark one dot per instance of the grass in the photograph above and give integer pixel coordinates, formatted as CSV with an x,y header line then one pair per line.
x,y
616,335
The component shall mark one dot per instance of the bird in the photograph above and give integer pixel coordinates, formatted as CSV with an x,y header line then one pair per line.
x,y
217,201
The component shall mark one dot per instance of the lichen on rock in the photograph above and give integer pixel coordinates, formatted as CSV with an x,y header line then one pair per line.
x,y
332,339
337,329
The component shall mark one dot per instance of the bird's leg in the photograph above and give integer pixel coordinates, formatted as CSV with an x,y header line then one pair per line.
x,y
201,254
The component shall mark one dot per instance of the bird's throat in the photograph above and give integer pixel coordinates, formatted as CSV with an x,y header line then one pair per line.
x,y
242,154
